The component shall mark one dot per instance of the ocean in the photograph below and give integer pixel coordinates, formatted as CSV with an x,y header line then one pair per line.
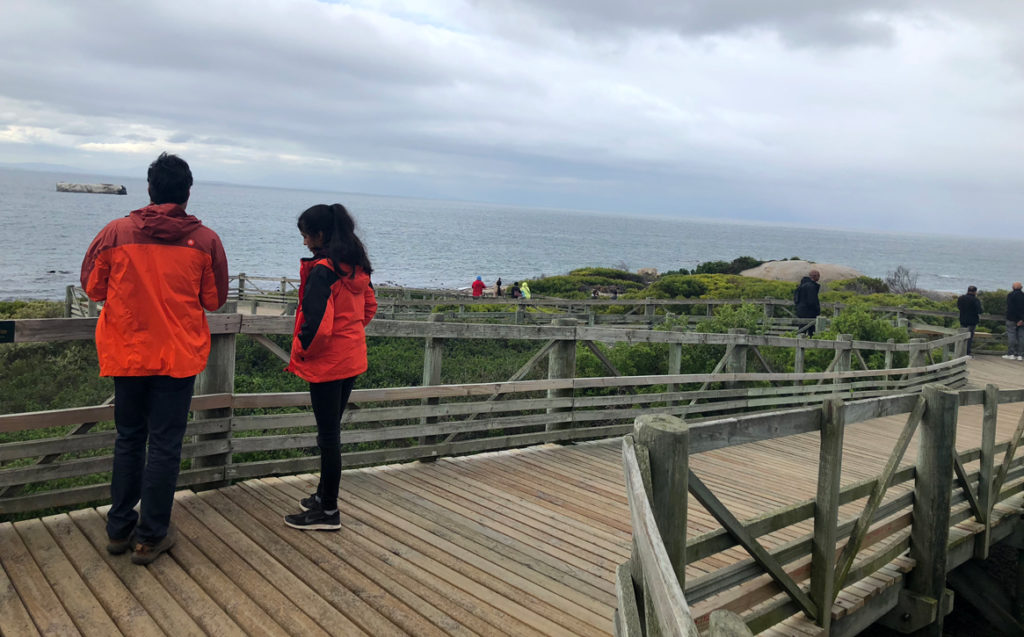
x,y
447,244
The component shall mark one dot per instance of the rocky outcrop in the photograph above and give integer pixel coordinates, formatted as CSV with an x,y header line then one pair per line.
x,y
101,189
795,270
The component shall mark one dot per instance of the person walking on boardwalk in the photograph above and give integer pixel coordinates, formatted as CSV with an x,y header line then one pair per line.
x,y
970,313
156,270
497,288
1015,323
524,289
336,302
806,299
478,288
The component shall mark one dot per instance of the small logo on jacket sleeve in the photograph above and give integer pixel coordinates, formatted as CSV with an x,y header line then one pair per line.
x,y
191,242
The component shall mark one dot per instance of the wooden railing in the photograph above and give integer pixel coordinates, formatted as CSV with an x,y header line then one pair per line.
x,y
923,502
230,430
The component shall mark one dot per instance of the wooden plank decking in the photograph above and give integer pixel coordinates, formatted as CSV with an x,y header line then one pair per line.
x,y
521,542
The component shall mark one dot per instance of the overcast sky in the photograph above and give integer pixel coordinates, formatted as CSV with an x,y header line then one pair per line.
x,y
875,114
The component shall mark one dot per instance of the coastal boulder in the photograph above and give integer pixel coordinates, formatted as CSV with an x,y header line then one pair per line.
x,y
797,269
100,189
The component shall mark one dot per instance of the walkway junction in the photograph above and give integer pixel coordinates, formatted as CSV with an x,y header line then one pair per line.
x,y
745,499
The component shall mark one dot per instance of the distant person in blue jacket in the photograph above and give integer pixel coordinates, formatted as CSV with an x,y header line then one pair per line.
x,y
806,298
1015,323
970,312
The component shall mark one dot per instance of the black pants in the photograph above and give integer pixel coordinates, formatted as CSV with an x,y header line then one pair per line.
x,y
151,409
329,400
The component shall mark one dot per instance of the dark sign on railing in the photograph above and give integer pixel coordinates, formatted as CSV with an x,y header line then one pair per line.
x,y
6,331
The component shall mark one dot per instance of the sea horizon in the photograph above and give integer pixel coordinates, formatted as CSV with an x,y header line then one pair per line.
x,y
445,243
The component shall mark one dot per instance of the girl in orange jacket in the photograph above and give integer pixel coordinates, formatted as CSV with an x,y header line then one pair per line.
x,y
336,302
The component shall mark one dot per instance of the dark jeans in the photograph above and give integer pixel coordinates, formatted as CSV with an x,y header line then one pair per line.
x,y
970,339
153,408
329,400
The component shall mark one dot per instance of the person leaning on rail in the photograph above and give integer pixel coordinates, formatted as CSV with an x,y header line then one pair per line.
x,y
970,313
156,270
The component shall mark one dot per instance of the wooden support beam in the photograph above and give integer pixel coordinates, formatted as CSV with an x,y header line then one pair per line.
x,y
826,511
860,528
932,492
986,468
725,517
217,378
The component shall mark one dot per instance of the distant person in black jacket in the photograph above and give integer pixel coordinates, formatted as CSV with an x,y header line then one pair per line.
x,y
806,298
970,312
1015,323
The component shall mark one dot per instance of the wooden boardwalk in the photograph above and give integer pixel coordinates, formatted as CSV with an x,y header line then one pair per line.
x,y
521,542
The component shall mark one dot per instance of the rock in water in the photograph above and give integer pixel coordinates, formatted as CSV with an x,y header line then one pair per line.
x,y
101,189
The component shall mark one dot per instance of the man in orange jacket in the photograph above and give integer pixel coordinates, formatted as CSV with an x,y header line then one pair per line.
x,y
156,270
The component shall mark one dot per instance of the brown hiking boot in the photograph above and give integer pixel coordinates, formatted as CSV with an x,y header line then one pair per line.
x,y
146,552
118,547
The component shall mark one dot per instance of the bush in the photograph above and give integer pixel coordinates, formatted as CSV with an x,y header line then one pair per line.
x,y
676,287
861,285
737,265
608,273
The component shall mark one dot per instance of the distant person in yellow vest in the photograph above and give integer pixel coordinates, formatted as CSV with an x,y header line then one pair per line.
x,y
524,287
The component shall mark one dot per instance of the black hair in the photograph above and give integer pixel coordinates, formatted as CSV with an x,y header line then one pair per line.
x,y
971,288
338,229
170,179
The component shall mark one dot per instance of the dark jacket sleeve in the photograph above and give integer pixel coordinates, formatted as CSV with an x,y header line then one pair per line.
x,y
314,302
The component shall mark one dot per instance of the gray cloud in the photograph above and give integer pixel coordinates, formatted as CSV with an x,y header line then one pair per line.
x,y
739,108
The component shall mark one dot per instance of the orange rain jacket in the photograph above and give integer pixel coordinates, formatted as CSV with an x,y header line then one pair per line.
x,y
156,270
329,341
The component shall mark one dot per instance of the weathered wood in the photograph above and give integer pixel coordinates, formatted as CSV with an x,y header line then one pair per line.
x,y
736,357
561,364
628,611
860,529
715,507
271,347
217,377
667,442
986,469
673,613
826,511
933,484
1008,457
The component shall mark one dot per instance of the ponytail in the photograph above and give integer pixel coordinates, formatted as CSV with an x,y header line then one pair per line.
x,y
340,242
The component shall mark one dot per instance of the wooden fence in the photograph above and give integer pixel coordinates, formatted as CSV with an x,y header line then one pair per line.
x,y
230,431
930,497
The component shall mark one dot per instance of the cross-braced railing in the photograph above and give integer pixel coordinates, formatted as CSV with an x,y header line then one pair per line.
x,y
834,550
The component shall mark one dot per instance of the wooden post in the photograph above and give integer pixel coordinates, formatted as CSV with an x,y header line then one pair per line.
x,y
666,439
648,311
820,324
889,351
960,347
93,309
519,313
769,309
241,285
844,355
918,352
826,511
217,378
284,285
933,485
737,361
561,364
798,356
69,298
986,470
432,354
675,362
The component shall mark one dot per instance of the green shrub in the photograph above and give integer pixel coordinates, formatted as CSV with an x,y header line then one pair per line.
x,y
607,273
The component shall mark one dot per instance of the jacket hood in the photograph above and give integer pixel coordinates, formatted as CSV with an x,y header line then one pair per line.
x,y
806,279
356,284
165,221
